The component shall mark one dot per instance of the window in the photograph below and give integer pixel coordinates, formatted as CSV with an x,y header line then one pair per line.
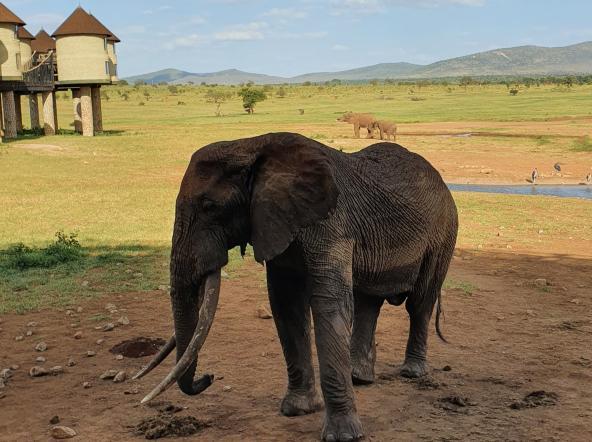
x,y
18,61
107,68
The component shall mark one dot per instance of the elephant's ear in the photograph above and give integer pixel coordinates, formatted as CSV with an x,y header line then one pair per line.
x,y
293,187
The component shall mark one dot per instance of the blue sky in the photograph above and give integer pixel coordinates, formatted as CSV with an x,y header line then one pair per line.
x,y
294,37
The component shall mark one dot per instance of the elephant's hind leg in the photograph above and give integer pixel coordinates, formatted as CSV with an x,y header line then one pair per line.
x,y
291,311
420,305
363,346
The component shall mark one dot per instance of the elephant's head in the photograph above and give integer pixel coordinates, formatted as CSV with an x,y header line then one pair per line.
x,y
260,191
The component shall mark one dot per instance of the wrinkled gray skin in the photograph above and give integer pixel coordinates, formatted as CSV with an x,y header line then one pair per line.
x,y
339,233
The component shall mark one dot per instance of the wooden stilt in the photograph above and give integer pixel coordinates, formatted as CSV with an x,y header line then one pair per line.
x,y
87,111
97,109
18,113
77,110
49,118
1,119
9,108
34,111
55,111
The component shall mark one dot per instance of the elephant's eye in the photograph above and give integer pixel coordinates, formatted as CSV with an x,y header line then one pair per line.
x,y
208,204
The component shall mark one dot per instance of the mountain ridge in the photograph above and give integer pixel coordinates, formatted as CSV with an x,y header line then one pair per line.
x,y
527,60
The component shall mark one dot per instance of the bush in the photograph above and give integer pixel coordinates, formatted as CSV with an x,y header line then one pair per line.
x,y
65,248
251,97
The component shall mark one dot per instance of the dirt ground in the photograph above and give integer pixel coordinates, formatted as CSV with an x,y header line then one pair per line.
x,y
509,337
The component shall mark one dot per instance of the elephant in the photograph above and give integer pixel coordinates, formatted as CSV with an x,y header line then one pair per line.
x,y
386,128
338,233
359,120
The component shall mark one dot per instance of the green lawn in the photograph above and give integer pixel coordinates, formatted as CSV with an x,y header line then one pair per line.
x,y
117,190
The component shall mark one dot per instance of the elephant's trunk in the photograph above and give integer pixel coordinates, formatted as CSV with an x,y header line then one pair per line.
x,y
191,330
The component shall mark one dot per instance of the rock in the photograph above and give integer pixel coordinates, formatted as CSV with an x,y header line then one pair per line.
x,y
58,369
54,420
138,275
487,171
90,354
263,313
108,327
227,388
29,333
6,374
86,385
15,367
109,374
100,341
110,307
61,432
32,324
79,310
500,317
124,320
163,288
132,391
2,383
119,357
128,270
447,368
69,312
530,312
575,301
541,282
2,395
71,362
36,372
224,274
85,283
40,359
41,347
78,335
120,377
19,338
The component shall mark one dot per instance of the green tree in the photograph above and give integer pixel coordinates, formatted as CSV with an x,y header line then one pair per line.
x,y
173,90
217,96
251,97
281,93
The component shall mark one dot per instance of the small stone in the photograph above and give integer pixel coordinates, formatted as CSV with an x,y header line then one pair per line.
x,y
86,385
447,368
74,325
500,317
530,312
509,247
108,327
61,432
132,391
163,288
541,232
15,367
575,301
99,327
128,270
40,360
90,354
85,283
36,372
109,374
120,377
19,338
32,324
138,275
69,312
124,320
263,313
78,335
42,346
6,374
110,307
100,341
29,333
227,388
58,369
224,274
2,383
119,357
2,395
54,420
541,282
71,362
79,310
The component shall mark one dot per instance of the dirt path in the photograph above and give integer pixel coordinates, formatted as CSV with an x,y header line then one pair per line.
x,y
509,338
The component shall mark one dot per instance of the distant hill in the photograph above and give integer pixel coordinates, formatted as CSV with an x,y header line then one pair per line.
x,y
521,60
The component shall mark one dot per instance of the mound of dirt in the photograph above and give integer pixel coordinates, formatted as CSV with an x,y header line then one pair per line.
x,y
138,347
456,404
535,399
167,425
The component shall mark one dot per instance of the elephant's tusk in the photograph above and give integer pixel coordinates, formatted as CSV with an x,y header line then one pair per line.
x,y
161,356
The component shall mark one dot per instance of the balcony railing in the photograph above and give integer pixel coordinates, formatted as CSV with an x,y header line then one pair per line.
x,y
40,73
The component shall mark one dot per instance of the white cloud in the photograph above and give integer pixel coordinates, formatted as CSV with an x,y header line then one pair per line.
x,y
300,35
287,13
187,41
374,6
134,29
246,32
339,47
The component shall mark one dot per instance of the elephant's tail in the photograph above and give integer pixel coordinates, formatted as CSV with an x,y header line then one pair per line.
x,y
439,311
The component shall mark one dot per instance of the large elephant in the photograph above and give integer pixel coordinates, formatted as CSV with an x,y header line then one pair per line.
x,y
359,121
386,129
339,234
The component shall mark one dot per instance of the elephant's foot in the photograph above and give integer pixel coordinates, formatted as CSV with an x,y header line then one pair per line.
x,y
299,404
362,373
342,427
414,368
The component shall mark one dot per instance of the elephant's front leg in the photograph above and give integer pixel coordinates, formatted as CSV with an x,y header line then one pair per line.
x,y
291,311
363,346
332,308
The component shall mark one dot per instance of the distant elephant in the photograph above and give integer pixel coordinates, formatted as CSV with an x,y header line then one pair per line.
x,y
339,234
386,129
359,120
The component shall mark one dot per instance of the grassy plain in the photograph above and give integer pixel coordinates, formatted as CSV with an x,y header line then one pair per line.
x,y
117,190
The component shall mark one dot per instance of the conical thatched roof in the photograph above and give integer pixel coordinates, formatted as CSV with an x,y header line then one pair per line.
x,y
43,42
81,23
7,16
112,37
23,34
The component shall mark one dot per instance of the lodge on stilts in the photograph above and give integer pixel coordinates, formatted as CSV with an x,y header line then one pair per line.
x,y
79,56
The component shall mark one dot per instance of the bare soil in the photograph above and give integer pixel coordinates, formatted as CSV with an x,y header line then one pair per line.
x,y
518,366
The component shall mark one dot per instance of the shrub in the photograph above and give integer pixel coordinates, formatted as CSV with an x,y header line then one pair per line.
x,y
65,248
251,97
281,93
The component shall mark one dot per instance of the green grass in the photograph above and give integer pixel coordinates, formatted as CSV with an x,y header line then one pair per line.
x,y
464,286
117,190
583,144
